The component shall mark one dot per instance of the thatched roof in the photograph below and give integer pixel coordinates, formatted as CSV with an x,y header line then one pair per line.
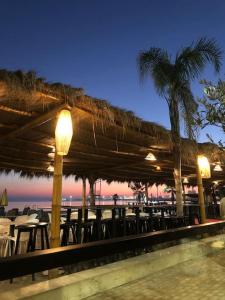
x,y
108,142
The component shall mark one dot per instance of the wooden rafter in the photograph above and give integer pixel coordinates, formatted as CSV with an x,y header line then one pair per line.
x,y
33,123
16,111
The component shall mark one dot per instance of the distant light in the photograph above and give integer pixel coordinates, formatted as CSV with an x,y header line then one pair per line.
x,y
50,168
185,180
150,157
216,182
204,166
218,168
158,168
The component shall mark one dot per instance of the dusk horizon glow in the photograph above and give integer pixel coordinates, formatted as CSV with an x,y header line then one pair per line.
x,y
28,188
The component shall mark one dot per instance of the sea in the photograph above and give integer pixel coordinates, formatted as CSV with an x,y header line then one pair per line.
x,y
45,202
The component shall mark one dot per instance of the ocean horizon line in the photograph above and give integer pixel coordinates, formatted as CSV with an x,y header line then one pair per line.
x,y
49,198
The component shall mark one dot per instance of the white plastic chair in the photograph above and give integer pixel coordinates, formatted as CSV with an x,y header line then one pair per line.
x,y
5,221
5,239
91,215
21,219
144,214
129,212
107,214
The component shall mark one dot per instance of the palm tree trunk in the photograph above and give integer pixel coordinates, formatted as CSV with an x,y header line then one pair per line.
x,y
175,131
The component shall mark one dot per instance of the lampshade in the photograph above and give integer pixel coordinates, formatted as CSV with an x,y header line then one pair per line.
x,y
150,156
185,180
50,168
204,166
51,154
218,168
63,132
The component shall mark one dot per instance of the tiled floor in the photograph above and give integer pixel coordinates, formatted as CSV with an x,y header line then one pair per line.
x,y
193,280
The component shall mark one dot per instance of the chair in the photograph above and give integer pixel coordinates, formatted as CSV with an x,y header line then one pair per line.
x,y
5,221
129,212
13,212
21,219
107,214
32,218
44,217
91,215
32,211
2,211
74,215
5,239
26,210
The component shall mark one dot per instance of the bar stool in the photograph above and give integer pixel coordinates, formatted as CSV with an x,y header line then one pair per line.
x,y
66,228
43,228
25,228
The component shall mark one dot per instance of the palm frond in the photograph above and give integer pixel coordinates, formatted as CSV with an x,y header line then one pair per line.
x,y
155,62
189,108
191,61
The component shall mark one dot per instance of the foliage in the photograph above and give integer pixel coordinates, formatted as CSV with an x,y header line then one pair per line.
x,y
212,110
138,189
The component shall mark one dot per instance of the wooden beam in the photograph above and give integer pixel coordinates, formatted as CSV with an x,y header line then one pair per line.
x,y
136,174
33,123
133,178
16,111
5,157
12,166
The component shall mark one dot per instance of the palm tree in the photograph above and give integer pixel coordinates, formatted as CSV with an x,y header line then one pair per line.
x,y
172,80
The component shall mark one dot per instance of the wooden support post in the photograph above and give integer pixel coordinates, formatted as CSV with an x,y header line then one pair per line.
x,y
92,194
137,212
98,220
79,226
113,222
124,221
201,196
184,196
56,201
146,192
84,198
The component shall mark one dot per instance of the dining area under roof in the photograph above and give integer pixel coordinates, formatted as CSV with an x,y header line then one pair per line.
x,y
102,142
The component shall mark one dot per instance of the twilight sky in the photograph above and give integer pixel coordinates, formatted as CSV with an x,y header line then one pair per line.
x,y
94,45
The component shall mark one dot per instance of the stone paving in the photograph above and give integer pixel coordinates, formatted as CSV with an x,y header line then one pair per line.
x,y
193,280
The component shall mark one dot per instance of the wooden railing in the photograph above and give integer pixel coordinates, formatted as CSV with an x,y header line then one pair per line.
x,y
33,262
